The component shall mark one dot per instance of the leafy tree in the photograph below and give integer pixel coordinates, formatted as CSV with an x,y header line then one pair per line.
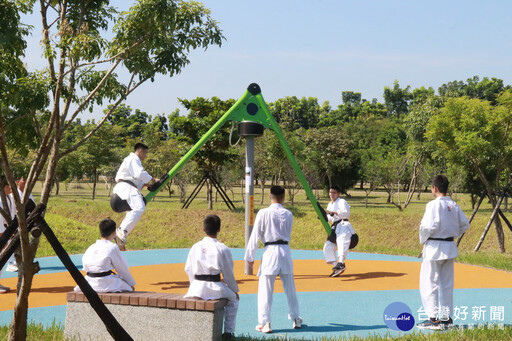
x,y
420,149
331,151
352,108
473,133
486,89
153,37
397,99
291,113
100,151
203,114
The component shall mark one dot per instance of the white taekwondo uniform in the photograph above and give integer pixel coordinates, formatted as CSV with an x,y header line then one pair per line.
x,y
3,223
344,231
442,219
103,256
273,224
131,170
211,257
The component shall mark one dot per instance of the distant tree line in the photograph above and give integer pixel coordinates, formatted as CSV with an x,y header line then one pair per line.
x,y
397,146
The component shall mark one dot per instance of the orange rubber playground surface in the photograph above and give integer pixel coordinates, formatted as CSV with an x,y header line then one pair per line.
x,y
352,304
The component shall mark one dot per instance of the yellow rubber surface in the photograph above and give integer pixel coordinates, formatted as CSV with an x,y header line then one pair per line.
x,y
310,276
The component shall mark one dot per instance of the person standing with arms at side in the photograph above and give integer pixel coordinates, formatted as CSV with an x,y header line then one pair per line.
x,y
442,222
338,214
273,226
131,178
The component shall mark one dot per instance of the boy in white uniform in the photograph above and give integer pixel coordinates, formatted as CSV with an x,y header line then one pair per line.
x,y
3,289
3,222
442,222
11,264
131,178
273,226
338,214
206,260
104,256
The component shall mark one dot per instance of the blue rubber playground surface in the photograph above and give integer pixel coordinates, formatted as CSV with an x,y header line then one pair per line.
x,y
350,305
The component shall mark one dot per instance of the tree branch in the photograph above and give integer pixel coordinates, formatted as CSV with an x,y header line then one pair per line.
x,y
107,115
91,94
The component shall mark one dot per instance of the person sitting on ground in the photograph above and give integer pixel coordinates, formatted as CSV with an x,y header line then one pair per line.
x,y
102,258
206,260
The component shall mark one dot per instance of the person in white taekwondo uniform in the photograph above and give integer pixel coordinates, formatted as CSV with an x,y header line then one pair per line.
x,y
11,211
206,260
338,214
12,266
3,222
442,222
273,226
102,258
130,178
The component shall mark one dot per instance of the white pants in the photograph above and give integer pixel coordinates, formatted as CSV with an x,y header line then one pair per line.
x,y
132,217
230,311
436,287
266,291
214,291
342,244
12,260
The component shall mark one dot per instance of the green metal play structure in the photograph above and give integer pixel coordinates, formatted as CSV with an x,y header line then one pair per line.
x,y
250,107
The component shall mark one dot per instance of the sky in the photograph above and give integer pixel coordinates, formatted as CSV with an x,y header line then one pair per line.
x,y
319,48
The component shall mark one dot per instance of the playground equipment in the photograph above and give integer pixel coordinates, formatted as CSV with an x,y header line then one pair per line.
x,y
252,111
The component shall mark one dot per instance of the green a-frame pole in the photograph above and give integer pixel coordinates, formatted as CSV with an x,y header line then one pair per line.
x,y
250,107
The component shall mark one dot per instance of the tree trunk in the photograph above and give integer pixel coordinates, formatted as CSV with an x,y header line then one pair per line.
x,y
94,180
57,187
169,189
242,191
412,184
262,186
497,222
18,328
209,188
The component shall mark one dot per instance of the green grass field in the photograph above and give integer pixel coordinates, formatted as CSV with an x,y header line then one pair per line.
x,y
382,228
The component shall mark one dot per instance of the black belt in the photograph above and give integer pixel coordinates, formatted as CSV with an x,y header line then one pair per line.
x,y
128,182
208,278
450,239
101,274
337,222
277,242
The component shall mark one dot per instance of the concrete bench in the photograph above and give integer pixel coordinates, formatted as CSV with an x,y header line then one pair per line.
x,y
146,316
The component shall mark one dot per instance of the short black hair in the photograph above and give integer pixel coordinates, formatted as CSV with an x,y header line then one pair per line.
x,y
277,192
140,145
336,188
441,182
107,226
211,224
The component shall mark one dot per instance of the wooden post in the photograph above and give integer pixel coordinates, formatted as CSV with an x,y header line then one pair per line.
x,y
493,215
473,214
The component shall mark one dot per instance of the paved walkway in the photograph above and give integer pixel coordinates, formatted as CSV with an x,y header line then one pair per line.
x,y
352,304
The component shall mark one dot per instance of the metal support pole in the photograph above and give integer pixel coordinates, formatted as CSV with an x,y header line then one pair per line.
x,y
249,194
